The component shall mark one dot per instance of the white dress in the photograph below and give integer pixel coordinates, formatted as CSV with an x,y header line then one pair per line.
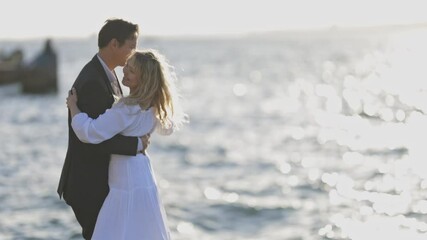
x,y
132,209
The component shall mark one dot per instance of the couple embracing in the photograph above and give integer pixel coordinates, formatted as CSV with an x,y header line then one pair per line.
x,y
107,177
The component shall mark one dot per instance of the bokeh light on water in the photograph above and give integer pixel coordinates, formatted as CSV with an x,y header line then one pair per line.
x,y
304,136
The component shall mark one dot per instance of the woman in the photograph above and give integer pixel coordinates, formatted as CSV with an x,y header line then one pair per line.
x,y
132,209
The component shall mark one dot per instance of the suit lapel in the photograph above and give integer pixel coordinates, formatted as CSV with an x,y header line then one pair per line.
x,y
104,74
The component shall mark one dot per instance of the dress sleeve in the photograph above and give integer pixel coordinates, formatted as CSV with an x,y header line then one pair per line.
x,y
107,125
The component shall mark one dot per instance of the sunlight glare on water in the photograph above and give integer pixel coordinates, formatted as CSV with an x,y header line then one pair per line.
x,y
390,88
317,136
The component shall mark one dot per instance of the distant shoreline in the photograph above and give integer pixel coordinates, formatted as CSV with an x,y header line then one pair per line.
x,y
336,30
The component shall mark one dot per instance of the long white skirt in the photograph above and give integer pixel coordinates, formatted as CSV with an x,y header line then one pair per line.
x,y
132,209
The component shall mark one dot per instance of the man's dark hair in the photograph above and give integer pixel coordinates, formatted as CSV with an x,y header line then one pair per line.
x,y
118,29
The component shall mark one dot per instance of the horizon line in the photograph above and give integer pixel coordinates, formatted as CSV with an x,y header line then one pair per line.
x,y
334,28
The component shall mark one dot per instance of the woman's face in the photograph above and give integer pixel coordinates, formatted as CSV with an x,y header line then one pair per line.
x,y
130,76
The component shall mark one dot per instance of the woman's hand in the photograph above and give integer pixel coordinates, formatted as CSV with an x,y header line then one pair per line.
x,y
72,102
72,98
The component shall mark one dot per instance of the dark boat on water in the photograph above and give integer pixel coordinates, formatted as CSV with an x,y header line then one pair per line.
x,y
39,76
11,67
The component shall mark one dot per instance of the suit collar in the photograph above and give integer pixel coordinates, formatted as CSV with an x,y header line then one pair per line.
x,y
100,66
101,70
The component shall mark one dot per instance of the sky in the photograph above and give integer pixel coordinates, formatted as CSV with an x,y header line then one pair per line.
x,y
22,19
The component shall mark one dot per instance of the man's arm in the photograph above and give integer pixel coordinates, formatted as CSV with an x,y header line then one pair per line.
x,y
122,145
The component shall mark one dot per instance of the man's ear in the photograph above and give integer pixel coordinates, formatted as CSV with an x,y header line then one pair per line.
x,y
114,43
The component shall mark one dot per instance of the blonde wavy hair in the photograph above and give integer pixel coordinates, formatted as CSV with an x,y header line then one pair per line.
x,y
156,87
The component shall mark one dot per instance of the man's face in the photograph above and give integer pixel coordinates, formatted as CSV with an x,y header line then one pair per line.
x,y
124,51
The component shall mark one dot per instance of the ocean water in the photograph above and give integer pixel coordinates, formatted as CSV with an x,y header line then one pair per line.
x,y
316,135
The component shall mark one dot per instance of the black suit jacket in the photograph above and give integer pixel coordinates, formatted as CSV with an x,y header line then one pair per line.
x,y
85,172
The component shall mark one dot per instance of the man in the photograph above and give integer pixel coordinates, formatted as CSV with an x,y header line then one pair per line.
x,y
84,178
